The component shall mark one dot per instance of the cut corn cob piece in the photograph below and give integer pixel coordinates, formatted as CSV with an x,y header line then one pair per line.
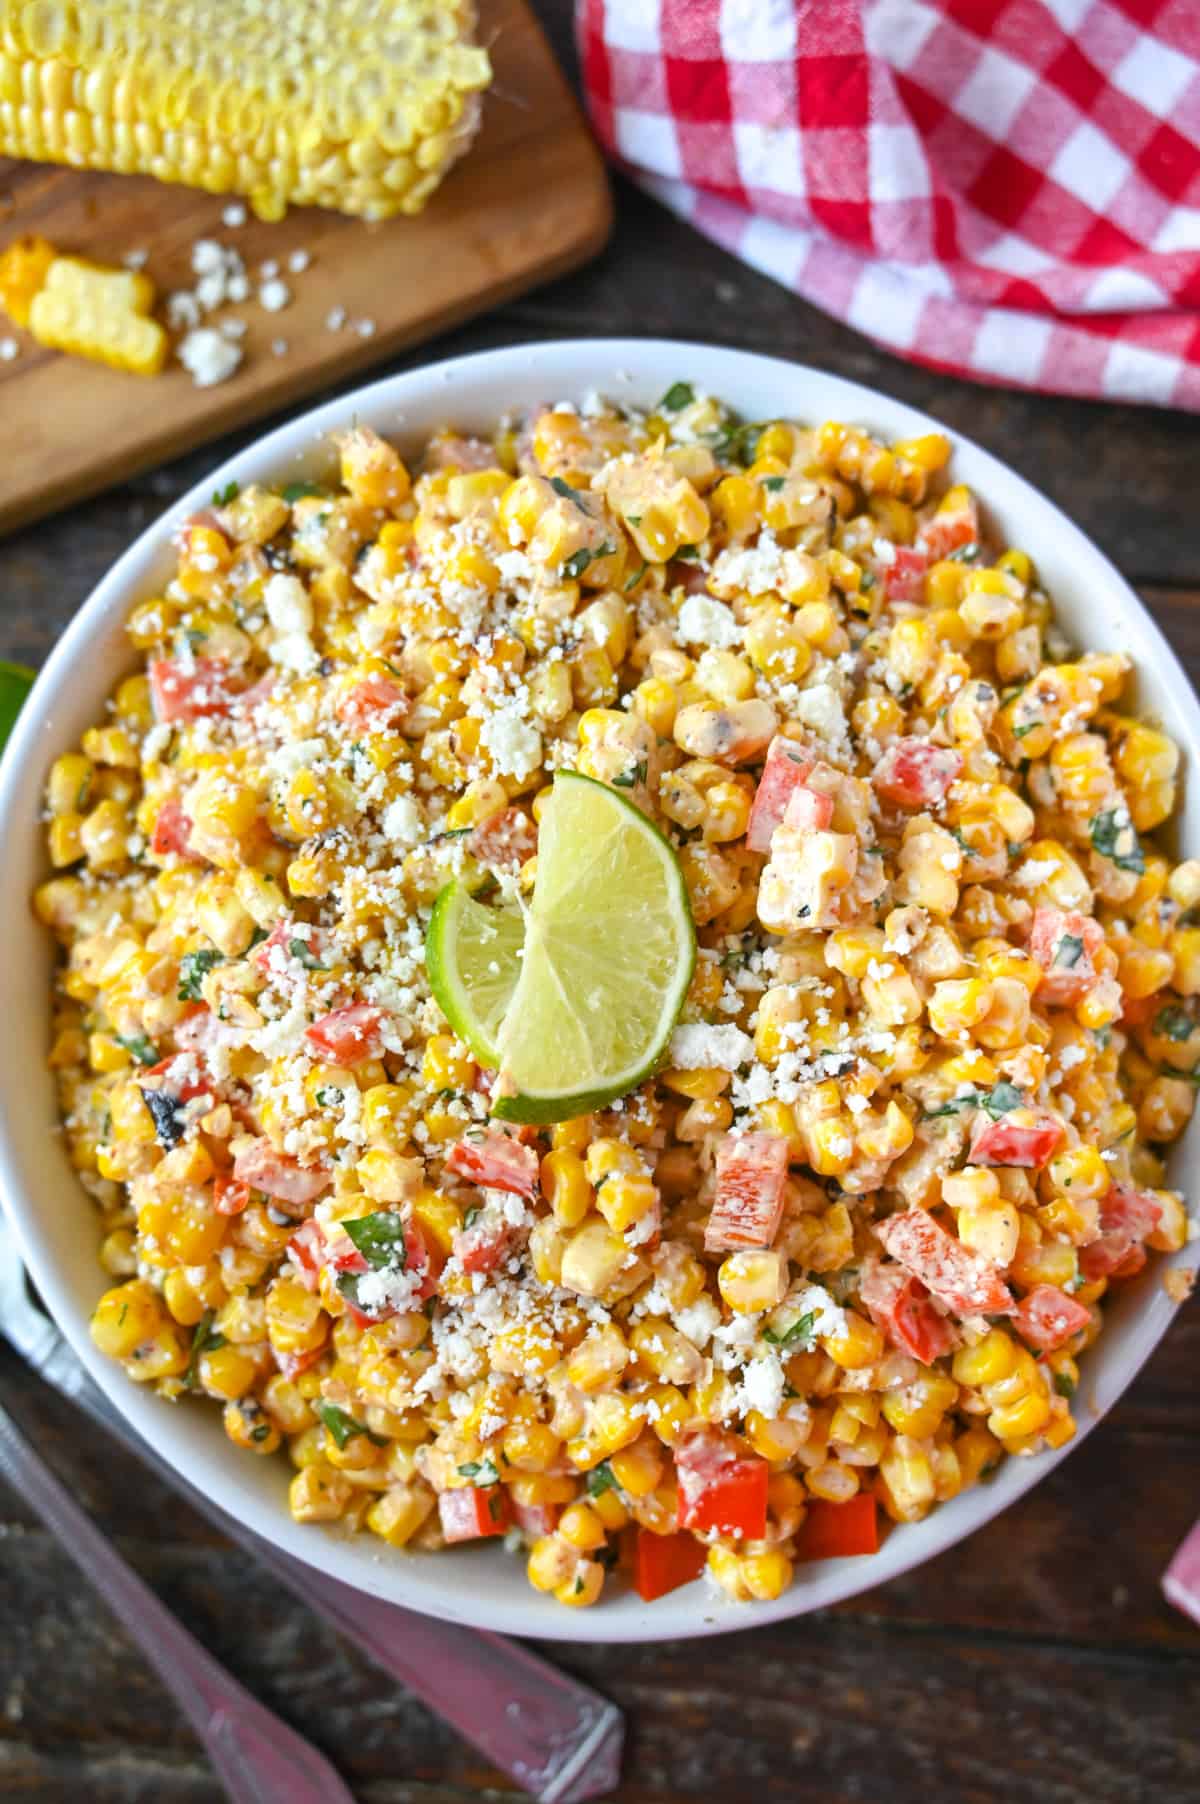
x,y
23,269
351,104
99,313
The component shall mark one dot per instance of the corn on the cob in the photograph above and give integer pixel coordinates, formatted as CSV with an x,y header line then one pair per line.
x,y
350,104
98,313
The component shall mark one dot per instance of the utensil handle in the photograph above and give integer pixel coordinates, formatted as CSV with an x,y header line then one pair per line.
x,y
560,1740
258,1758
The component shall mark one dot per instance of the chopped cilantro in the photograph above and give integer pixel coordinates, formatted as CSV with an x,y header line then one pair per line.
x,y
633,581
773,483
688,554
601,1479
342,1427
1113,836
328,1096
1001,1098
800,1334
379,1238
193,967
1064,1384
304,955
1174,1023
678,396
299,491
867,581
578,562
222,497
567,492
629,779
481,1472
204,1340
139,1048
1069,951
261,1432
964,553
1020,732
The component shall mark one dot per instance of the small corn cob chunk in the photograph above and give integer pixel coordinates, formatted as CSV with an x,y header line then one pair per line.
x,y
100,313
287,102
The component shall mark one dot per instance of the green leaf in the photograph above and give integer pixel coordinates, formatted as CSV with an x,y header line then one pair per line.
x,y
964,553
688,554
1113,835
677,397
800,1334
601,1479
637,576
302,952
1069,951
139,1048
342,1427
481,1472
1064,1384
222,497
1001,1098
774,483
629,779
300,491
579,560
955,1106
380,1239
204,1340
1174,1023
193,967
568,493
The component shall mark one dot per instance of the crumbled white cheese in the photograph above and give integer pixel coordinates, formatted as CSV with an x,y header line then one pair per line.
x,y
402,821
698,1047
9,350
821,709
828,1316
234,215
274,295
208,356
289,607
703,621
514,745
298,262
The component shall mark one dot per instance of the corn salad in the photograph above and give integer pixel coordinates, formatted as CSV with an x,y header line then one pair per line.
x,y
842,1253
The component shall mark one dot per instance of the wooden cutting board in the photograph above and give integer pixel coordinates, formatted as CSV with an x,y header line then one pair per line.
x,y
529,201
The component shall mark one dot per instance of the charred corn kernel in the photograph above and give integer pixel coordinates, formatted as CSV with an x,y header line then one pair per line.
x,y
583,1586
185,1305
163,1354
666,1351
599,1359
766,1575
69,784
1027,1415
446,1065
318,1493
227,1371
917,1409
1079,1172
551,1562
989,1360
124,1318
908,1483
580,1526
530,1446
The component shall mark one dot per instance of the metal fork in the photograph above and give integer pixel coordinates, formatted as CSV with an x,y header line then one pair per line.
x,y
558,1739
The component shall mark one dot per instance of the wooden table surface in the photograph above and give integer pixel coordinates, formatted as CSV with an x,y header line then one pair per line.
x,y
1036,1661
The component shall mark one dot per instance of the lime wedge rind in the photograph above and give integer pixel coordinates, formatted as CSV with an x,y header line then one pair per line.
x,y
463,940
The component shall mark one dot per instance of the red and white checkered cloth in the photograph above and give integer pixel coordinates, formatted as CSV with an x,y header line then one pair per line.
x,y
1006,189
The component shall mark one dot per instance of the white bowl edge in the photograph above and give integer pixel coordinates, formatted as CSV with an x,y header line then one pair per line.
x,y
488,1589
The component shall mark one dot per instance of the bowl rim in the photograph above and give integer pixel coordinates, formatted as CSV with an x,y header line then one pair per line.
x,y
571,366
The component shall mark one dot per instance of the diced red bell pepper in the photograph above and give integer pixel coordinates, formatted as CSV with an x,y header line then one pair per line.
x,y
1127,1216
662,1563
808,810
751,1174
474,1512
292,1364
833,1531
900,1305
721,1487
1137,1010
182,693
964,1281
1025,1137
904,578
1130,1265
949,530
486,1243
306,1250
495,1161
1047,1317
285,1179
912,773
536,1519
504,841
787,765
173,831
348,1036
374,703
184,1075
229,1196
1064,943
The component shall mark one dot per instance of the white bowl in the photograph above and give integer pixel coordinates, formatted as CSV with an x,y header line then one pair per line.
x,y
54,1219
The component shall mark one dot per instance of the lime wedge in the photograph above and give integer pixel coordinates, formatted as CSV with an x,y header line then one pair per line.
x,y
473,956
15,683
573,998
